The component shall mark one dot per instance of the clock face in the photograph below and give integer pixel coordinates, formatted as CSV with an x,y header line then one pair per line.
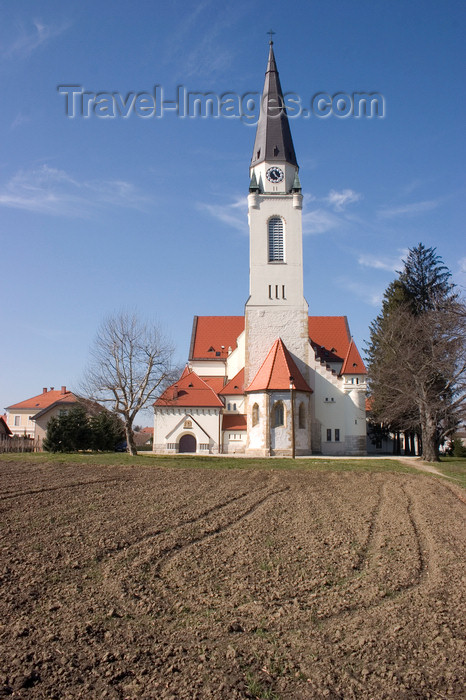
x,y
275,174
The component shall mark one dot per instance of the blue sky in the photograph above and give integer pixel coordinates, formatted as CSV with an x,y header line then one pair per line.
x,y
149,214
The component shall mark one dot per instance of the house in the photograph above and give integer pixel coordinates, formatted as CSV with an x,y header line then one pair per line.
x,y
274,381
30,417
143,438
4,429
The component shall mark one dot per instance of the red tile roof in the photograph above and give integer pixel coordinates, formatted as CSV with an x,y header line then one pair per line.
x,y
235,385
353,363
189,390
215,383
330,337
276,371
213,335
47,398
236,421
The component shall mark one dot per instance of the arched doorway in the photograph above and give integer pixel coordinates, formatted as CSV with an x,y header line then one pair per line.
x,y
187,444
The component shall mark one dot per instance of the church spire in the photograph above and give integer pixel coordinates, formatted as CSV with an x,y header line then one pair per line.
x,y
273,136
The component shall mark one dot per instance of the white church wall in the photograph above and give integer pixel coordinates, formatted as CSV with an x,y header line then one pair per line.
x,y
208,368
234,403
303,435
264,326
234,441
235,360
170,424
257,441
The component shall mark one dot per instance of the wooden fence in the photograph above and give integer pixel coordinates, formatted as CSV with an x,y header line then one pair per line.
x,y
18,444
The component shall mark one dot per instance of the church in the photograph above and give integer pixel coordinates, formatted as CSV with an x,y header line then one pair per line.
x,y
275,381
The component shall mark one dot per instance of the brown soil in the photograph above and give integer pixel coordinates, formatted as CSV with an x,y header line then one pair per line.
x,y
134,582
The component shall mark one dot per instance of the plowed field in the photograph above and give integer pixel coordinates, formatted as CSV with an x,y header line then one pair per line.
x,y
140,582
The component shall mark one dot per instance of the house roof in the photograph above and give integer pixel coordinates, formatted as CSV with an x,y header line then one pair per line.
x,y
235,385
44,400
213,335
91,407
276,370
353,363
234,421
6,428
189,390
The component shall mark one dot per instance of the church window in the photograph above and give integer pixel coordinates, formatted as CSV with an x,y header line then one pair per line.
x,y
337,435
301,416
276,248
278,414
276,292
283,292
270,291
329,435
255,414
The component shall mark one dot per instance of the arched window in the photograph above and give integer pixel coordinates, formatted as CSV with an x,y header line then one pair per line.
x,y
278,414
302,416
255,414
276,246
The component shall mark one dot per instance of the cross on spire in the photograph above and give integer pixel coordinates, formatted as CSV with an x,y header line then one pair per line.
x,y
271,32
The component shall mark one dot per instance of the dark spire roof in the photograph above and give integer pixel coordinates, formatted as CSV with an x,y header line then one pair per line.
x,y
273,136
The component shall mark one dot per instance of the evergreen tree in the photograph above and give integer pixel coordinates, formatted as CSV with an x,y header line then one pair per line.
x,y
107,431
426,281
84,427
69,432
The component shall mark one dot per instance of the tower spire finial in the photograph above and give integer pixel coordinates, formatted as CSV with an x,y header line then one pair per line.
x,y
271,33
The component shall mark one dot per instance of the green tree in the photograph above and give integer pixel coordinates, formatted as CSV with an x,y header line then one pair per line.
x,y
107,431
69,432
426,281
416,354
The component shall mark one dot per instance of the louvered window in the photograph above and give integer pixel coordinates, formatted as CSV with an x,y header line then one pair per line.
x,y
276,249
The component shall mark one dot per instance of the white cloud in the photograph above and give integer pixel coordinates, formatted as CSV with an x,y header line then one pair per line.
x,y
31,39
367,293
412,209
391,264
319,221
233,214
51,191
19,119
339,200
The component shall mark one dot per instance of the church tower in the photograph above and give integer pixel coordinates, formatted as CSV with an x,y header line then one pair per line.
x,y
276,307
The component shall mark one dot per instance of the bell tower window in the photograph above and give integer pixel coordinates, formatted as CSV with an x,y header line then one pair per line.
x,y
276,247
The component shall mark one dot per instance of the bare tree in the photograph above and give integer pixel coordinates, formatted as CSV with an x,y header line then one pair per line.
x,y
130,365
418,375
